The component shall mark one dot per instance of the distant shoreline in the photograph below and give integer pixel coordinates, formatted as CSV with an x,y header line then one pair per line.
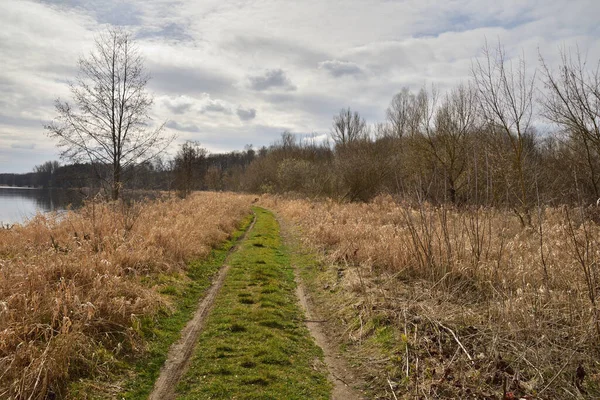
x,y
20,187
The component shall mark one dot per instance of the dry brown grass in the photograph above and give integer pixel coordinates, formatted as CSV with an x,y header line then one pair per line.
x,y
72,290
461,303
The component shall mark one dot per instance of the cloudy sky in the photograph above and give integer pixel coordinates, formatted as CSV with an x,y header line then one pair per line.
x,y
231,73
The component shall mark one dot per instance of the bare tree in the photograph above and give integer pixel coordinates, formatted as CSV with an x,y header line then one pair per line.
x,y
381,130
405,112
189,167
426,105
108,121
455,121
348,127
398,113
46,173
572,101
287,144
505,97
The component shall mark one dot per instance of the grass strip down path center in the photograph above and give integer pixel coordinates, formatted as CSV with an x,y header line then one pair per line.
x,y
254,344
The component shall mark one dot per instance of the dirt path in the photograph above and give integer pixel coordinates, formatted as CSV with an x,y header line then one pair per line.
x,y
180,353
339,372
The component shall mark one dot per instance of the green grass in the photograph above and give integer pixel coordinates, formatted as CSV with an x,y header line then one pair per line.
x,y
161,332
255,344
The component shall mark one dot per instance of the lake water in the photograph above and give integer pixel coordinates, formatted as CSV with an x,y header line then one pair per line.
x,y
17,205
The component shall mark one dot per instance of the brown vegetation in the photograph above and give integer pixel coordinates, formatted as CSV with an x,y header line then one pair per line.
x,y
461,303
75,289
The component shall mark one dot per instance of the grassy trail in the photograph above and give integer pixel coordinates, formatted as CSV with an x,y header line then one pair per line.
x,y
254,344
166,330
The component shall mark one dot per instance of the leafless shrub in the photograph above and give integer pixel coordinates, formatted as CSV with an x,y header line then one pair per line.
x,y
463,302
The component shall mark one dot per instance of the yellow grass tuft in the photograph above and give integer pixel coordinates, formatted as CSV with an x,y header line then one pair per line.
x,y
73,285
454,294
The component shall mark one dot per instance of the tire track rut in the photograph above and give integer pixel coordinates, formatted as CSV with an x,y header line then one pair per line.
x,y
181,352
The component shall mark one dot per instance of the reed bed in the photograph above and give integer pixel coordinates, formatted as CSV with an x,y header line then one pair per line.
x,y
439,302
75,288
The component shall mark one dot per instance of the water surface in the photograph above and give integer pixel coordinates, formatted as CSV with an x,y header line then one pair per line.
x,y
17,205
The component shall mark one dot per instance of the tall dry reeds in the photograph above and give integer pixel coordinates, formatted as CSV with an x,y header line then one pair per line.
x,y
72,291
479,306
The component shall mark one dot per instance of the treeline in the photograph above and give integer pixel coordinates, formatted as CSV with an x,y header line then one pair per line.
x,y
191,169
81,175
478,144
52,175
475,145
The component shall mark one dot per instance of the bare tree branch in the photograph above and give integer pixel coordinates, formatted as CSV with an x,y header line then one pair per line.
x,y
108,123
348,127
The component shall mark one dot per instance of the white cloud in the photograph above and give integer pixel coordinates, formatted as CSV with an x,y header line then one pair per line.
x,y
204,104
23,146
339,68
217,106
182,127
214,63
271,79
178,105
246,114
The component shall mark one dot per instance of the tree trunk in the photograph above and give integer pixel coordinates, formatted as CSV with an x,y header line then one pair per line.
x,y
116,186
